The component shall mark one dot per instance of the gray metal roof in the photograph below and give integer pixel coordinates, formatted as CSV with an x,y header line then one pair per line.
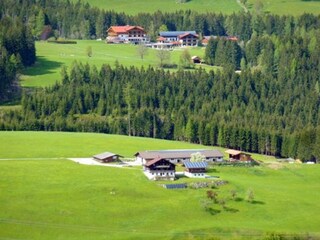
x,y
175,33
186,153
195,164
105,155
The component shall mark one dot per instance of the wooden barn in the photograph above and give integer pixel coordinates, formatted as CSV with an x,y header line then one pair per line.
x,y
160,169
235,155
195,169
107,157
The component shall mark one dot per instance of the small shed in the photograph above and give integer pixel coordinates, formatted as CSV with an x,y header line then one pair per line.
x,y
237,155
107,157
196,59
195,169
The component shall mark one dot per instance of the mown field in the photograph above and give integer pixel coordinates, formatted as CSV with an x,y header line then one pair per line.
x,y
51,57
293,7
134,7
60,199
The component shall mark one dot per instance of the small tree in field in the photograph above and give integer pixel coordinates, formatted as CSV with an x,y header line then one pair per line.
x,y
212,196
233,194
197,157
142,50
163,56
89,51
250,195
185,59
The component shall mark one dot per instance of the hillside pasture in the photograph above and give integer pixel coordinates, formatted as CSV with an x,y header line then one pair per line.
x,y
51,57
293,7
150,6
60,199
288,7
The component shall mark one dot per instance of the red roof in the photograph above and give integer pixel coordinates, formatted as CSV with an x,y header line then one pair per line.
x,y
161,39
124,29
187,34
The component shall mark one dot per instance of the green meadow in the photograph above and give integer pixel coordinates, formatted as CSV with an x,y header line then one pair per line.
x,y
51,57
289,7
44,198
286,7
150,6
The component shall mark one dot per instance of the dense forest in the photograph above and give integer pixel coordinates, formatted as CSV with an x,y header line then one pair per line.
x,y
17,50
270,107
64,18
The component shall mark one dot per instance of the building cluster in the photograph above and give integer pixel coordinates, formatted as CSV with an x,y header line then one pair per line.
x,y
161,164
166,40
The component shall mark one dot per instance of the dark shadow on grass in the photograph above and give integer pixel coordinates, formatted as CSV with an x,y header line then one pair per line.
x,y
212,170
42,66
238,199
258,202
232,210
213,211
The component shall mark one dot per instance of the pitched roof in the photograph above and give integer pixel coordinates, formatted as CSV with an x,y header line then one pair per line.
x,y
124,29
186,153
105,155
195,164
233,152
148,164
175,33
187,34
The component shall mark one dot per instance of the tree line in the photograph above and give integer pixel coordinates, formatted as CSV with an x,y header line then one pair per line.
x,y
252,111
17,50
78,20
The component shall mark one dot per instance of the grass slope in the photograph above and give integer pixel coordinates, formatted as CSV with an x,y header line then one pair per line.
x,y
64,200
293,7
289,7
63,144
150,6
59,199
51,57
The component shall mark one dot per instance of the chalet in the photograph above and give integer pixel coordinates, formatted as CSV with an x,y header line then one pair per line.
x,y
107,157
127,34
235,155
195,169
206,39
179,156
184,38
159,169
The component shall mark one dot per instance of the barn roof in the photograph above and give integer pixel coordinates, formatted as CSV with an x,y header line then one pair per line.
x,y
176,33
124,29
191,165
236,152
148,164
105,155
182,153
187,34
233,152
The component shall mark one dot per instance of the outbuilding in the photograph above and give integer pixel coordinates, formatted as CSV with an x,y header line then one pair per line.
x,y
195,169
107,157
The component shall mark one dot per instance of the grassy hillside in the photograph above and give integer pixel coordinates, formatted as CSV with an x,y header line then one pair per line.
x,y
134,7
294,7
64,144
50,58
60,199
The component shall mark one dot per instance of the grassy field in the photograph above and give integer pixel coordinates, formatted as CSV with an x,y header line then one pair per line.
x,y
294,7
134,7
51,57
68,144
60,199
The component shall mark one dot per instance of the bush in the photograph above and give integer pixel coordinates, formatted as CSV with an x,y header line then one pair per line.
x,y
62,41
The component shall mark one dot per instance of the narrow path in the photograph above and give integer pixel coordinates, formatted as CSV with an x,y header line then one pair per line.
x,y
243,6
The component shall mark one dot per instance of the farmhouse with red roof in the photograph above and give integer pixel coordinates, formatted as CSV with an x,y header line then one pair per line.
x,y
127,34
